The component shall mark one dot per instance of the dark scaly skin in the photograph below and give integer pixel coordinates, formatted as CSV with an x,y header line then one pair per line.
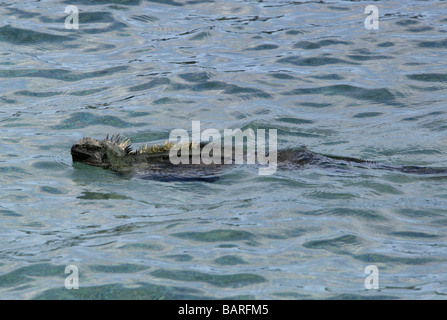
x,y
116,154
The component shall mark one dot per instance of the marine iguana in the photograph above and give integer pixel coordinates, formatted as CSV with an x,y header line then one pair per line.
x,y
153,162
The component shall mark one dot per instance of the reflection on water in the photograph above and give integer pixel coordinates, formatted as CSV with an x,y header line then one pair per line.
x,y
143,68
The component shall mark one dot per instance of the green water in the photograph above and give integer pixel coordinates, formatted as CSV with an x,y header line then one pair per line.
x,y
143,68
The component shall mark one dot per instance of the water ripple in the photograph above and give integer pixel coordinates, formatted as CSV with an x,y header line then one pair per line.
x,y
310,70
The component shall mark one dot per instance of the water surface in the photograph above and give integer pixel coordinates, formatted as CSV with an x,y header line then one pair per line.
x,y
141,68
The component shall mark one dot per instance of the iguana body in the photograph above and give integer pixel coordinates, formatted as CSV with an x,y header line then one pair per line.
x,y
153,162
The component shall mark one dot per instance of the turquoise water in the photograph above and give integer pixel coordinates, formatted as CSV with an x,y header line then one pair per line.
x,y
310,70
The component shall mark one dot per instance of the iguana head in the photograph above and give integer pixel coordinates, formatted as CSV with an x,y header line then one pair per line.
x,y
100,153
116,152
